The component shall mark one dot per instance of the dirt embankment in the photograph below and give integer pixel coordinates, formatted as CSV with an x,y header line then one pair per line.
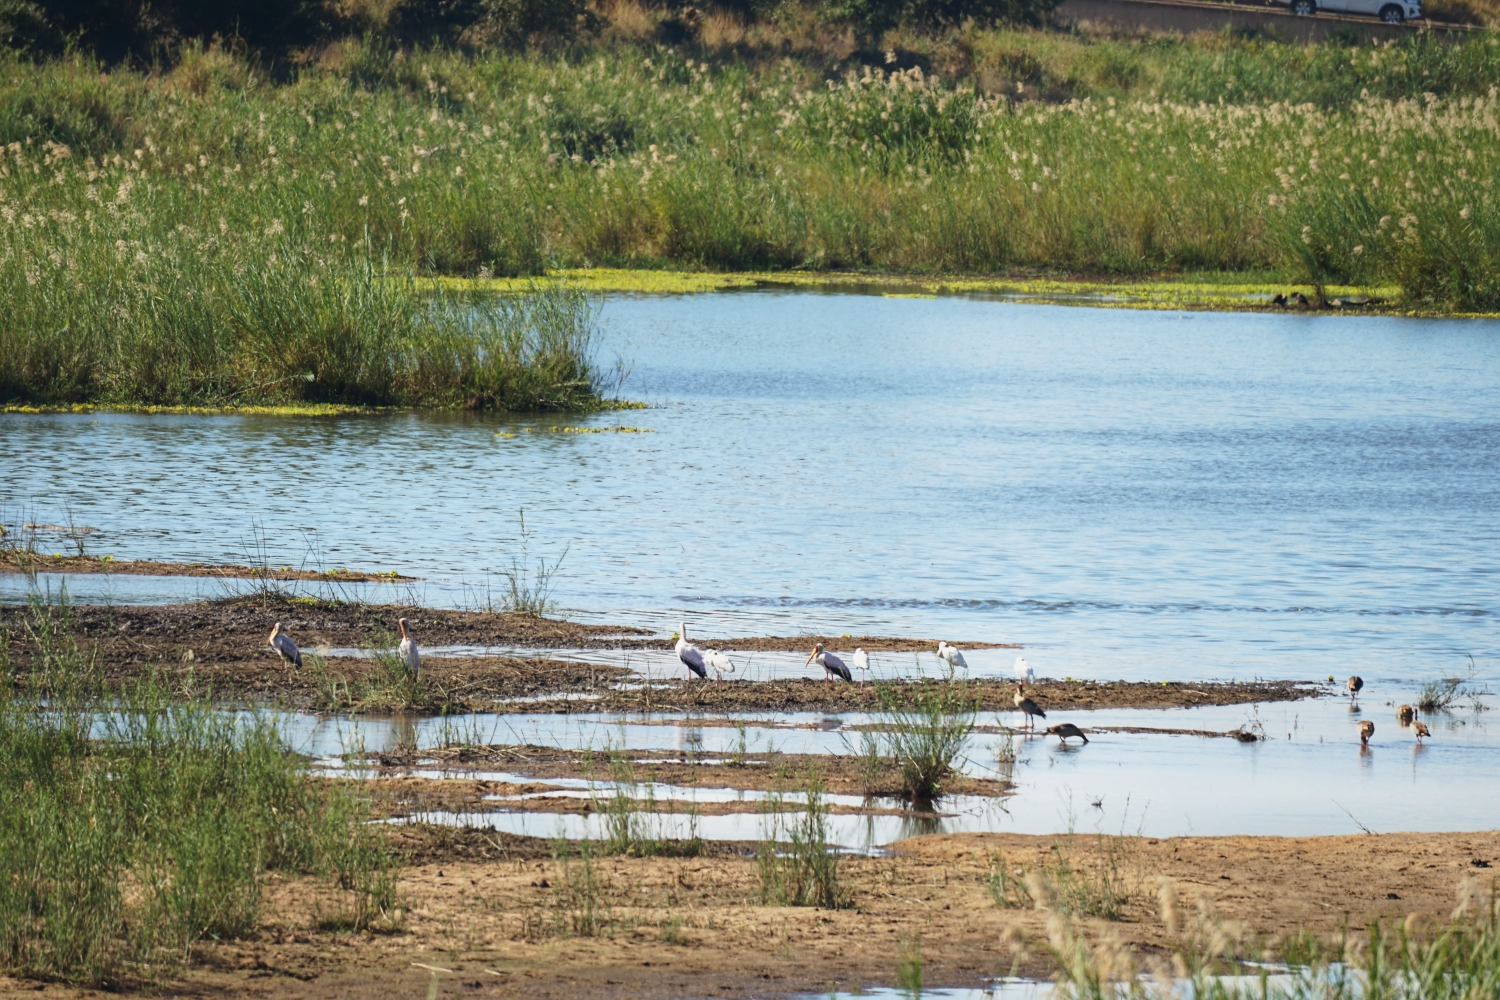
x,y
490,913
21,561
533,767
221,647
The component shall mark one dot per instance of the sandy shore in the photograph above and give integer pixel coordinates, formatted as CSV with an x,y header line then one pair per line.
x,y
488,910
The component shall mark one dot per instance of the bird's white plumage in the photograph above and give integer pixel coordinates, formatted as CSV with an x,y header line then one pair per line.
x,y
690,655
719,663
952,655
862,663
832,665
1024,671
408,651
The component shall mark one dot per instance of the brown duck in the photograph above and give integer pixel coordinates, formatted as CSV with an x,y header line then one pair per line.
x,y
1028,706
1405,714
1366,730
1420,728
1065,729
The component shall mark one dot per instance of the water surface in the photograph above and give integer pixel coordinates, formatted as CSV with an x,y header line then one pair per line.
x,y
1129,493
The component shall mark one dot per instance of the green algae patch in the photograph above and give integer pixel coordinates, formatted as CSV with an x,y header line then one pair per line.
x,y
1251,291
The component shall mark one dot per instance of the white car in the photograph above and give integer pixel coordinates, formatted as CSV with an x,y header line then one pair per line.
x,y
1389,11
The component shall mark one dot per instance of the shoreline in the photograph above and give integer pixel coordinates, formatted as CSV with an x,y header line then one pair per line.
x,y
486,914
219,647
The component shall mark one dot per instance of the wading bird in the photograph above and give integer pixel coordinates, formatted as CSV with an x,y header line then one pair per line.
x,y
407,650
1354,684
1366,730
832,665
719,663
1405,714
1420,728
689,655
952,655
1066,729
283,644
1024,673
1028,706
862,663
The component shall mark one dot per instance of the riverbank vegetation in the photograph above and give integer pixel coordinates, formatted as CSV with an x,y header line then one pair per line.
x,y
139,823
246,227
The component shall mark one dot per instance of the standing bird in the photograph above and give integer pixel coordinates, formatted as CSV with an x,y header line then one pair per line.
x,y
1405,714
862,663
952,655
283,644
1066,729
1354,684
1420,728
1024,673
407,650
689,655
1028,706
1366,730
719,663
832,665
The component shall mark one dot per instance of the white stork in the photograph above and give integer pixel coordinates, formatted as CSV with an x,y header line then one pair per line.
x,y
952,655
1024,673
719,663
408,650
862,664
832,665
690,655
283,644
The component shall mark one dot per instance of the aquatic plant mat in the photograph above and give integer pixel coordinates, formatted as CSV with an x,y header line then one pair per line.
x,y
494,915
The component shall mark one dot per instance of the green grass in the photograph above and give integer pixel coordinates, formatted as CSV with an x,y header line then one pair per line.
x,y
925,727
796,864
137,825
212,237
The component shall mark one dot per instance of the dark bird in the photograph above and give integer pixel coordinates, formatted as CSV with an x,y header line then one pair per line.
x,y
1420,728
1028,706
1065,729
690,655
283,644
1405,714
1354,684
1366,730
1299,299
1278,300
832,665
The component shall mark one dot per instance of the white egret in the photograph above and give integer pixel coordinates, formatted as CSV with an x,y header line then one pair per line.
x,y
719,663
1024,673
690,655
832,665
1027,706
283,644
952,655
407,650
862,663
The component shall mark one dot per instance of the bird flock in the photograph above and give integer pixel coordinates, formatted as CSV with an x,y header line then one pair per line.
x,y
291,656
700,661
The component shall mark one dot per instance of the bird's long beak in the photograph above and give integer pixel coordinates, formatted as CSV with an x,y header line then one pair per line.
x,y
809,657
